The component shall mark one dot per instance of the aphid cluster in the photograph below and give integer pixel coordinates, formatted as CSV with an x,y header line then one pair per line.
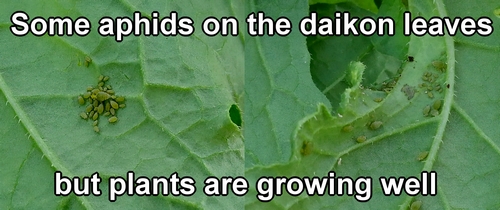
x,y
434,109
102,102
429,79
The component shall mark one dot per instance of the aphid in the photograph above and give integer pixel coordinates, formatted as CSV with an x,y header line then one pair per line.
x,y
83,115
95,109
105,89
95,91
107,106
109,87
113,119
101,77
100,84
96,115
106,113
88,60
101,89
111,92
426,111
114,104
437,104
434,113
430,94
91,101
408,91
416,205
90,88
100,108
86,95
89,108
91,114
422,155
112,111
378,100
102,96
339,162
430,88
411,58
375,125
306,148
113,97
96,129
81,101
120,99
105,79
425,78
346,128
96,103
122,105
439,65
95,123
361,139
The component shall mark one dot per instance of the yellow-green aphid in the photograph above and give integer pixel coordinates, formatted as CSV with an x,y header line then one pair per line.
x,y
416,205
109,87
378,100
346,128
102,96
100,108
113,97
95,91
437,104
101,77
375,125
439,65
430,95
120,99
422,155
361,139
112,111
91,101
84,115
96,115
81,101
114,104
122,106
306,149
96,129
107,106
89,108
86,95
96,103
91,114
95,108
90,88
496,12
88,60
106,113
95,123
105,79
427,109
434,113
113,119
111,91
100,84
101,89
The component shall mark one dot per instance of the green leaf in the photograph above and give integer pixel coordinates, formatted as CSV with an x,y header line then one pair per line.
x,y
178,90
278,87
365,4
462,141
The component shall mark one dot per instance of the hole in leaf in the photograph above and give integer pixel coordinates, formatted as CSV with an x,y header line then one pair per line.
x,y
235,114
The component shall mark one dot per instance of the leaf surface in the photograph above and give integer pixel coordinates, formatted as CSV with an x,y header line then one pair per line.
x,y
178,94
